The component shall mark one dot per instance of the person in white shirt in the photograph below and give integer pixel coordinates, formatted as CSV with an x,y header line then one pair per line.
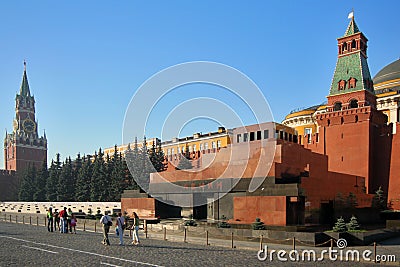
x,y
106,221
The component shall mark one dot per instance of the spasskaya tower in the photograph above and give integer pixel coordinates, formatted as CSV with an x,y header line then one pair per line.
x,y
24,146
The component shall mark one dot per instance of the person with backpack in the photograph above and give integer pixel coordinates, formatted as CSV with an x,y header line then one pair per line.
x,y
50,220
106,222
120,228
56,220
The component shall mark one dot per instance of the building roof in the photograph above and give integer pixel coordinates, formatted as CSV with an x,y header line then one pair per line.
x,y
388,73
352,28
24,90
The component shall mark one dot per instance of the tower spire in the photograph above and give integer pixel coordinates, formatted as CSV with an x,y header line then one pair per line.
x,y
24,90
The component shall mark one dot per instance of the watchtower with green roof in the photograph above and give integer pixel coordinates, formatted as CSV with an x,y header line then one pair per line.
x,y
352,132
351,72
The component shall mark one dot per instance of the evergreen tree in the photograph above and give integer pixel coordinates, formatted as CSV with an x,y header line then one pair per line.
x,y
146,167
77,165
26,189
185,162
99,184
156,156
52,181
117,177
351,201
65,189
353,224
40,183
82,191
132,160
340,226
379,200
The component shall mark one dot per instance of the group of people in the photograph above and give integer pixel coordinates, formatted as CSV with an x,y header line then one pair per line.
x,y
120,225
62,221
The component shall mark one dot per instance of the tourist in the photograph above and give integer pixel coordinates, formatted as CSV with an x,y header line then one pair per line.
x,y
73,223
120,228
56,219
135,235
50,220
106,222
63,220
69,216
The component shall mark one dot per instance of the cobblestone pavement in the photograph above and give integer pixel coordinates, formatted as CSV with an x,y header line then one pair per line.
x,y
28,245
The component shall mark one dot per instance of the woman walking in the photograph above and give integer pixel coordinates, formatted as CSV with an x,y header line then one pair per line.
x,y
135,235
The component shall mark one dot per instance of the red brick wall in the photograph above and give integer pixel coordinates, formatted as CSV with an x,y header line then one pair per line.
x,y
270,209
144,207
394,181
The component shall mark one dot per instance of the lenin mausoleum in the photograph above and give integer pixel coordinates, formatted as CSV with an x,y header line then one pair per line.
x,y
349,145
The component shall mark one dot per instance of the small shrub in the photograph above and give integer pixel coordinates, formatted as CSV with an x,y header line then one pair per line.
x,y
353,225
340,226
223,223
258,225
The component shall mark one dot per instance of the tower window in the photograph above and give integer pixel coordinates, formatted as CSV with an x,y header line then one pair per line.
x,y
337,106
353,44
341,85
344,47
354,103
352,82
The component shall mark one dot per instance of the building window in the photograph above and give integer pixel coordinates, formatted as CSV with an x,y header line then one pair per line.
x,y
206,145
219,144
337,106
308,133
258,135
353,44
190,148
251,136
173,151
266,134
238,138
201,147
352,83
245,137
179,150
353,103
194,148
341,85
169,151
213,145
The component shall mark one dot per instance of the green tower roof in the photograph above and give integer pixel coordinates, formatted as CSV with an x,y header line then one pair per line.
x,y
352,28
24,90
351,66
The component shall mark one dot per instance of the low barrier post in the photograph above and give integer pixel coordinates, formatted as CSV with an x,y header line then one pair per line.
x,y
23,219
84,225
145,228
16,218
294,243
37,220
95,227
374,251
207,243
165,233
45,221
30,220
10,217
331,244
261,242
184,235
232,240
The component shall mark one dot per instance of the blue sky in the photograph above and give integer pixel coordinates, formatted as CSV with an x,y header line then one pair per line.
x,y
86,59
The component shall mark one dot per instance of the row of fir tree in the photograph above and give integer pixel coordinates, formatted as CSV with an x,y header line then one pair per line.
x,y
91,178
